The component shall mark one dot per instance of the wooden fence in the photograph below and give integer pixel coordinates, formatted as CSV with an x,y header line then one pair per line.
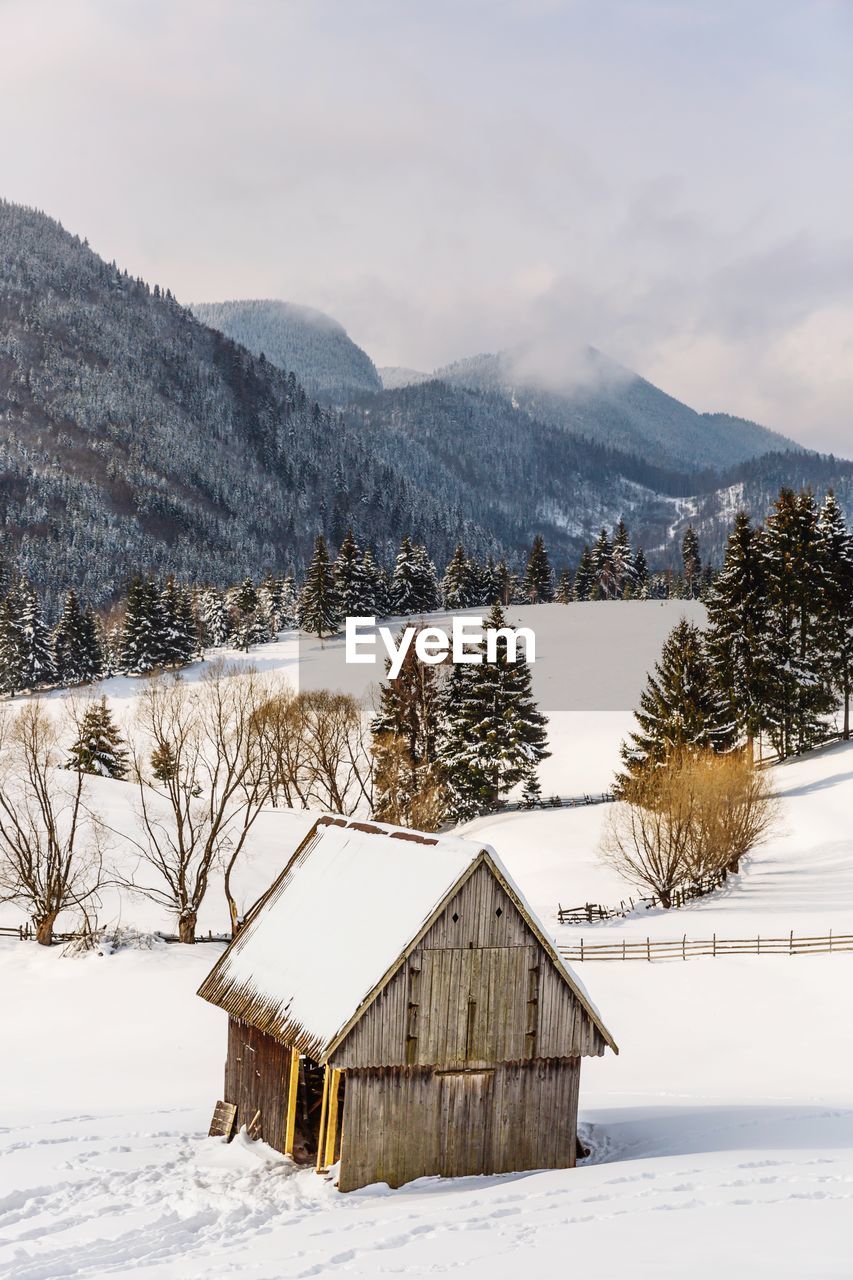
x,y
25,933
685,948
590,912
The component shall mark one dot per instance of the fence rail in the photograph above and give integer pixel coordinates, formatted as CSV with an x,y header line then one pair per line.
x,y
591,912
685,948
26,932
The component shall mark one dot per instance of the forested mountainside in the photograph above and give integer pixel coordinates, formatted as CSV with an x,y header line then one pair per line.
x,y
565,486
396,376
611,405
133,437
299,340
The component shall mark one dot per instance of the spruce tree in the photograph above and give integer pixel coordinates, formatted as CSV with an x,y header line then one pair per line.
x,y
26,650
376,585
427,589
214,619
836,600
601,558
622,562
584,583
319,603
406,780
99,747
565,587
538,577
405,582
492,735
641,575
179,643
77,649
458,587
680,707
142,643
737,615
796,691
354,588
692,564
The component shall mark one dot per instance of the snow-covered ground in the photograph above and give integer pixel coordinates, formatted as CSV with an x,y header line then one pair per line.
x,y
722,1135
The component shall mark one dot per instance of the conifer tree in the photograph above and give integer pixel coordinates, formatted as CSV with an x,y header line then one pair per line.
x,y
641,574
601,558
493,735
538,577
354,588
737,615
142,642
565,587
214,620
319,603
376,585
680,707
796,690
489,585
99,747
288,603
692,564
584,583
836,602
77,649
26,651
179,642
504,583
405,581
406,780
459,588
622,562
428,594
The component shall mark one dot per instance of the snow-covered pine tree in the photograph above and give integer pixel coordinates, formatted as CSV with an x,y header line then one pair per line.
x,y
601,558
26,650
142,647
504,583
565,587
405,582
406,782
737,617
376,585
492,733
212,618
354,588
680,707
624,567
77,648
584,583
319,603
489,586
99,747
641,575
538,577
796,693
180,643
270,602
288,603
836,602
427,590
692,564
245,597
459,587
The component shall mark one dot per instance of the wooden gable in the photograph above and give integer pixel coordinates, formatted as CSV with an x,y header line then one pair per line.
x,y
480,985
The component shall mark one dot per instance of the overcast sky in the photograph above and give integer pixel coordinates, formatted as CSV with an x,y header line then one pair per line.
x,y
670,180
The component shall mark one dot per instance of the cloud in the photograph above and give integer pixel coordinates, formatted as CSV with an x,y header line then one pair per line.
x,y
668,182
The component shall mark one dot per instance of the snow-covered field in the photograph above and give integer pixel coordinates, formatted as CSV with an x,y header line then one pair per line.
x,y
722,1135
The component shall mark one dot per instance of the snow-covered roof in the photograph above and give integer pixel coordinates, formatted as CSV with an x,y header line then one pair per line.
x,y
352,899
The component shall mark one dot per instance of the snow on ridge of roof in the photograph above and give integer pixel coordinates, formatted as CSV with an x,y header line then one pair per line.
x,y
345,909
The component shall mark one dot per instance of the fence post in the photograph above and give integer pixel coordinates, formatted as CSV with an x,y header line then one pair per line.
x,y
830,942
791,944
648,949
581,948
758,945
684,946
713,944
624,957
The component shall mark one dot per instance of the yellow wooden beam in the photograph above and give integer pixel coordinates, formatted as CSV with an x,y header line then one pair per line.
x,y
332,1118
324,1111
292,1093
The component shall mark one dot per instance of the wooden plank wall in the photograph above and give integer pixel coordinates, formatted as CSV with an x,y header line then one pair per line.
x,y
523,1008
257,1070
405,1123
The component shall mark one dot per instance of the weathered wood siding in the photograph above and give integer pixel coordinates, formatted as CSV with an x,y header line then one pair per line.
x,y
408,1122
256,1079
479,989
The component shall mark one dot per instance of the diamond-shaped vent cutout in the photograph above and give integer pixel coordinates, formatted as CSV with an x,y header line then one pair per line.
x,y
499,912
455,917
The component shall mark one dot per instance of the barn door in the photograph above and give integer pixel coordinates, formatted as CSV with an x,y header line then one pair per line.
x,y
474,1006
466,1101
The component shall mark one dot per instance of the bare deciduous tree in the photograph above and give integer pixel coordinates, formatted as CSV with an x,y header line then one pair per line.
x,y
317,749
51,845
198,812
693,816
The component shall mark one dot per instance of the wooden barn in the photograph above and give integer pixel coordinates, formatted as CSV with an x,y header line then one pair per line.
x,y
395,1005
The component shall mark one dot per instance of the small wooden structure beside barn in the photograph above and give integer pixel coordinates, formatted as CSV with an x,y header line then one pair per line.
x,y
394,1004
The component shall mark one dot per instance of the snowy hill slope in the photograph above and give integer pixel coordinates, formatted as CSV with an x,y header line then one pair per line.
x,y
720,1134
